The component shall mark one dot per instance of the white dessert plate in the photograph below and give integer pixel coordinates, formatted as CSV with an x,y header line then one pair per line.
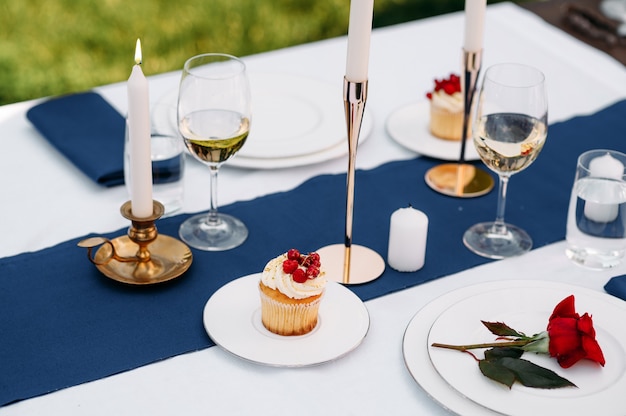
x,y
454,380
232,318
408,126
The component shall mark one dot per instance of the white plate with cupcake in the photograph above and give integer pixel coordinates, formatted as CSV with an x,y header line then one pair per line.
x,y
433,127
287,316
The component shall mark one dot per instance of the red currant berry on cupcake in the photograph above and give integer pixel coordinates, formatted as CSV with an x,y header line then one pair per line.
x,y
293,254
289,266
299,276
312,272
315,259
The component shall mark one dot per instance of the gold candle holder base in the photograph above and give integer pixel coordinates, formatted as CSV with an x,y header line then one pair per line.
x,y
338,258
460,179
142,257
364,264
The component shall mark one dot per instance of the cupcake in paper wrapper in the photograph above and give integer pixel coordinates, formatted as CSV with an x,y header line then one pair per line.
x,y
446,108
291,289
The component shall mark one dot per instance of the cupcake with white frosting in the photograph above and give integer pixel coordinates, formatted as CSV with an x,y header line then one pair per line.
x,y
446,108
291,288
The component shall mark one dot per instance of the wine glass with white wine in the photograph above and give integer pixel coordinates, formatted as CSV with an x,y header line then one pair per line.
x,y
509,131
214,115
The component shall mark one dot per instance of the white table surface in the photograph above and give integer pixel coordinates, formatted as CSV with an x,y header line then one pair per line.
x,y
46,200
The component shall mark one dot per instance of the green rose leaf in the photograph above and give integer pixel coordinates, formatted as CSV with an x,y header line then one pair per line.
x,y
495,353
505,366
502,330
497,372
532,375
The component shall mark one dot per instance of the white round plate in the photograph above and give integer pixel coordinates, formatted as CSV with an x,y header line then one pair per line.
x,y
339,150
232,318
293,116
408,126
454,380
296,121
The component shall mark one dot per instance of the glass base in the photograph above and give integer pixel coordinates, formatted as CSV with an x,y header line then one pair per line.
x,y
483,240
594,259
227,233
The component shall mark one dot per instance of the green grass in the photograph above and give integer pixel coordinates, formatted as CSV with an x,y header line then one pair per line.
x,y
52,47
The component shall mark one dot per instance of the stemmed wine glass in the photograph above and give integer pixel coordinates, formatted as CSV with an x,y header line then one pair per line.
x,y
214,115
509,131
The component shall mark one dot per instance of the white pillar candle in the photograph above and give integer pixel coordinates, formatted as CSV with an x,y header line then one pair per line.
x,y
359,33
139,137
474,25
610,168
408,230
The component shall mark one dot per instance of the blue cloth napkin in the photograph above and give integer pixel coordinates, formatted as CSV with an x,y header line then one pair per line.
x,y
88,131
63,323
616,286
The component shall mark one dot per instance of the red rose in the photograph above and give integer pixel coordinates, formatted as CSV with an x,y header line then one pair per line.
x,y
572,336
569,338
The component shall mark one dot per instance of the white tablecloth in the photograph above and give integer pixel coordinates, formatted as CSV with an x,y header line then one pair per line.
x,y
46,200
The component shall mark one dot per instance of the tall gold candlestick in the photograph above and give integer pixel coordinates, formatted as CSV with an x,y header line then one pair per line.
x,y
462,179
337,258
355,95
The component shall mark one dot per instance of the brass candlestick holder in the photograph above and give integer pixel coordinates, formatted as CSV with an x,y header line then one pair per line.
x,y
461,179
348,263
142,257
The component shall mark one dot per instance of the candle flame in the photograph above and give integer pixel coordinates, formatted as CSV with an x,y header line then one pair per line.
x,y
138,52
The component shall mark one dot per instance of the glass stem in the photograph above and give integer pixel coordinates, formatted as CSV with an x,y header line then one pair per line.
x,y
212,217
498,226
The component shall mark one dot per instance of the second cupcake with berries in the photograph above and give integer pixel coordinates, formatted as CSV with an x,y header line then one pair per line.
x,y
291,287
446,108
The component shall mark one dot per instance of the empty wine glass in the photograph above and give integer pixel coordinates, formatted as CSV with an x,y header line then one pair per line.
x,y
509,131
214,115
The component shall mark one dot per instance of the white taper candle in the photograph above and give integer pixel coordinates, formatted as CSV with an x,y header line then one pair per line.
x,y
359,34
474,25
139,137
